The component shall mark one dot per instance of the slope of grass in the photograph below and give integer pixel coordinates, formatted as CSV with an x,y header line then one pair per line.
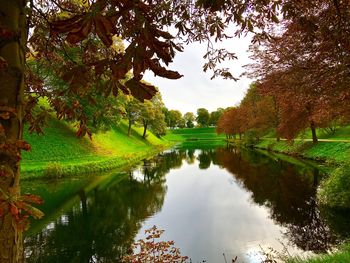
x,y
342,256
59,152
193,134
333,152
341,133
334,148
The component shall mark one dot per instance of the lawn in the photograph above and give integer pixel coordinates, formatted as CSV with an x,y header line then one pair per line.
x,y
60,151
193,134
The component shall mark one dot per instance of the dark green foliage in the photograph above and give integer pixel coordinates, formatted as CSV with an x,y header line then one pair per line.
x,y
335,190
214,116
202,117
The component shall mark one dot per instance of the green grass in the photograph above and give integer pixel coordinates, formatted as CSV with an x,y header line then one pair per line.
x,y
333,152
342,256
201,144
335,190
342,133
60,148
193,134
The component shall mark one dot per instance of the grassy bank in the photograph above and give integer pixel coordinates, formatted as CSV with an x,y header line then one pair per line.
x,y
331,151
59,152
333,148
341,256
193,134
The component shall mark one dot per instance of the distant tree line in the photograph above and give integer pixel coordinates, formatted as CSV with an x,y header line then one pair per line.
x,y
175,119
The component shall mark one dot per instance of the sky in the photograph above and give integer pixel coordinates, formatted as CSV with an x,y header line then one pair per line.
x,y
195,89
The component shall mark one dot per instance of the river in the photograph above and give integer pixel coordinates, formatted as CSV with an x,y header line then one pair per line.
x,y
215,204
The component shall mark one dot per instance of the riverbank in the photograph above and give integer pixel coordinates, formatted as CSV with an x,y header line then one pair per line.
x,y
60,153
193,135
333,191
332,152
341,256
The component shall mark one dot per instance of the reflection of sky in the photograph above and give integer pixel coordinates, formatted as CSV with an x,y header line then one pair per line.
x,y
207,214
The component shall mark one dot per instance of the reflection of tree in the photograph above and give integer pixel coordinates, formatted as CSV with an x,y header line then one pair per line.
x,y
102,227
204,159
314,234
289,191
190,157
338,220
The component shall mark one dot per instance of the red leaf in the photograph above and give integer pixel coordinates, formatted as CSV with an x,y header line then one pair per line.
x,y
141,90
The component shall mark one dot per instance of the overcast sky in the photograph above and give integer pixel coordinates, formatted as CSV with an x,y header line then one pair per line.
x,y
195,89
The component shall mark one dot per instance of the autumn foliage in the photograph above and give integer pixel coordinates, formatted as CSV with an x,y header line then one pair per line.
x,y
302,71
150,249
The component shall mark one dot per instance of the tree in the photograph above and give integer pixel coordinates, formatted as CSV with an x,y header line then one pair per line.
x,y
174,118
260,112
147,115
166,116
158,124
189,119
182,123
214,116
202,117
308,78
226,123
131,110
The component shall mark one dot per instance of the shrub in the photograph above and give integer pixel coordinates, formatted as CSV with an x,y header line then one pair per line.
x,y
151,250
251,138
335,190
53,170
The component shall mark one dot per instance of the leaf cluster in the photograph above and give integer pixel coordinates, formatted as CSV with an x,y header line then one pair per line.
x,y
152,250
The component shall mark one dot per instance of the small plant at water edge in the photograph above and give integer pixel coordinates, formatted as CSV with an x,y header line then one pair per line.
x,y
149,250
53,170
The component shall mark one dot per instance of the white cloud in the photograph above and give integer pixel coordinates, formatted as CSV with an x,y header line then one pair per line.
x,y
196,90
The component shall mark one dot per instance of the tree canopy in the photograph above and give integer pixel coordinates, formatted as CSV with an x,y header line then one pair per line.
x,y
202,117
74,41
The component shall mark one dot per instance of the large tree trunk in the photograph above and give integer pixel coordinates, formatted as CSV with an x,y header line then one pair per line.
x,y
13,37
313,131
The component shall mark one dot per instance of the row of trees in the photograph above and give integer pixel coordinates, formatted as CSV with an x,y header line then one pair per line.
x,y
302,71
255,115
150,114
174,118
259,113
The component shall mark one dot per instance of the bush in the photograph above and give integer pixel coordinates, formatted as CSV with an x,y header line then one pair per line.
x,y
335,190
150,249
53,170
251,138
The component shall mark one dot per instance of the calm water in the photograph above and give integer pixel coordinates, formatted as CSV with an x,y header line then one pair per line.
x,y
210,202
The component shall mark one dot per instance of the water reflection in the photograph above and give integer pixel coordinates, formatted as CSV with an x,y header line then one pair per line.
x,y
102,223
288,191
